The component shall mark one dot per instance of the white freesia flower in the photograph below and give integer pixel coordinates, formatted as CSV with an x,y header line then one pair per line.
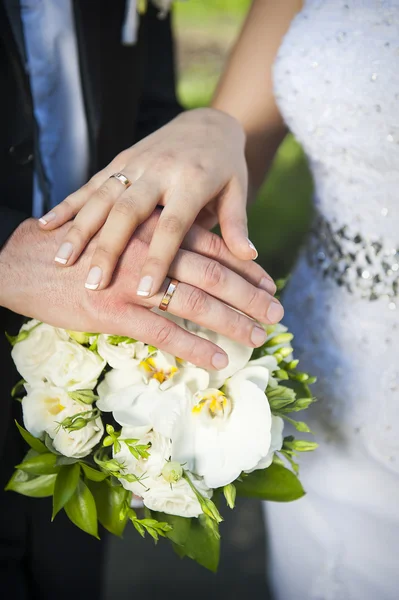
x,y
73,366
32,354
156,490
121,355
275,445
226,431
45,407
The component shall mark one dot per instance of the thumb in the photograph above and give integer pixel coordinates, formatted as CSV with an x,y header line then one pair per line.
x,y
232,213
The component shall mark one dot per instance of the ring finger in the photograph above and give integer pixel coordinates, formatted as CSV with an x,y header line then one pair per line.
x,y
196,305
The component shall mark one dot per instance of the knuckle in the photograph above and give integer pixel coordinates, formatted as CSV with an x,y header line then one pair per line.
x,y
256,299
214,274
170,224
215,245
239,327
103,193
164,334
197,169
77,231
125,206
103,251
155,263
196,301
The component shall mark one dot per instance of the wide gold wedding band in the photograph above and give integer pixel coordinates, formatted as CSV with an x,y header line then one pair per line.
x,y
122,178
168,295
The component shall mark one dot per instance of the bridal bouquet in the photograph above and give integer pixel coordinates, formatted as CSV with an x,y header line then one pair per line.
x,y
112,422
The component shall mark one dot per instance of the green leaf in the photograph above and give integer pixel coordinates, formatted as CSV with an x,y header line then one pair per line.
x,y
275,483
180,527
33,442
65,486
109,501
41,464
81,510
30,485
202,545
93,474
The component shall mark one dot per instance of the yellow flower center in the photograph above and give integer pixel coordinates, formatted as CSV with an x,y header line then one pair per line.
x,y
54,406
214,402
153,372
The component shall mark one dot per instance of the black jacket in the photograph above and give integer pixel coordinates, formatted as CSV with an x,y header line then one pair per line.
x,y
128,91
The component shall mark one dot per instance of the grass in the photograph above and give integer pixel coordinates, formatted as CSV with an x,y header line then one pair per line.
x,y
205,30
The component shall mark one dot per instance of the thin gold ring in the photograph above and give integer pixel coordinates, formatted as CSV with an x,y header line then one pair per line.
x,y
168,295
122,178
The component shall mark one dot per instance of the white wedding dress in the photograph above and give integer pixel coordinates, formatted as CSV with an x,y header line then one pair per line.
x,y
336,81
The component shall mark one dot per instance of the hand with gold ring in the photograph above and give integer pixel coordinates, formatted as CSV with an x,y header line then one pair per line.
x,y
194,166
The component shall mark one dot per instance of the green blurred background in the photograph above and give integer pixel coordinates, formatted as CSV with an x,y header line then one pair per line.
x,y
205,31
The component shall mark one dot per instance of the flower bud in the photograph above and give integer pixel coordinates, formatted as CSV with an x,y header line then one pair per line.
x,y
79,336
172,472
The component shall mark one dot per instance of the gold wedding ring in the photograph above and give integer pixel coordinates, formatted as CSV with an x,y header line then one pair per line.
x,y
122,178
168,295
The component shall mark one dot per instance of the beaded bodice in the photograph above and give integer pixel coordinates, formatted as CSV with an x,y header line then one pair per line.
x,y
336,81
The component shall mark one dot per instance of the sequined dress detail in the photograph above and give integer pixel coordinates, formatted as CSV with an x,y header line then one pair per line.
x,y
336,80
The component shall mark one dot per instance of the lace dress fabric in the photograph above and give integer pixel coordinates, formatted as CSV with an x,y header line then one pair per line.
x,y
336,80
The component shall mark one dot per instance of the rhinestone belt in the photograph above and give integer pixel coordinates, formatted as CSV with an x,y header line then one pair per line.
x,y
364,267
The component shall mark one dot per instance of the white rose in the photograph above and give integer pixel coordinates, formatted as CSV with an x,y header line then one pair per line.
x,y
31,354
156,491
79,443
177,498
73,366
275,445
44,407
121,355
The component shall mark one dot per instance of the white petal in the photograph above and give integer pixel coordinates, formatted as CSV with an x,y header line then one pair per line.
x,y
259,376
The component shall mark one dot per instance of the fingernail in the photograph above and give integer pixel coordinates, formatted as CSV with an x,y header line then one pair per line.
x,y
219,361
255,252
47,218
94,278
275,312
145,286
268,285
258,336
64,253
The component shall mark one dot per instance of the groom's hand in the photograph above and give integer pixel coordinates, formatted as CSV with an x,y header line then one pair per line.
x,y
32,285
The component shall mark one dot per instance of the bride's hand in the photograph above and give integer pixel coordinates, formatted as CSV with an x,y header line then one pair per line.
x,y
193,165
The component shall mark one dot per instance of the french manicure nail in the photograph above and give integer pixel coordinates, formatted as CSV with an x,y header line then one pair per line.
x,y
255,252
268,285
64,253
145,286
47,218
275,312
258,336
94,278
220,361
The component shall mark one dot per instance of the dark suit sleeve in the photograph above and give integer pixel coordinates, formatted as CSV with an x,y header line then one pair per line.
x,y
9,221
158,104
